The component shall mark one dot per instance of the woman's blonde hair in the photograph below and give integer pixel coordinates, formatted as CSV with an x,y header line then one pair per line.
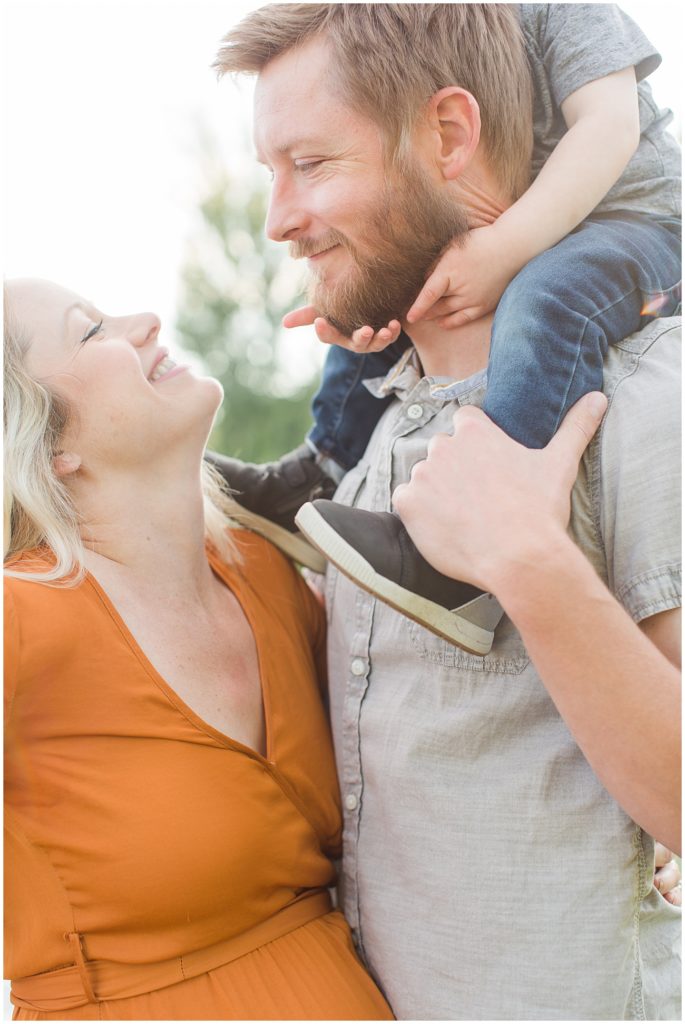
x,y
38,510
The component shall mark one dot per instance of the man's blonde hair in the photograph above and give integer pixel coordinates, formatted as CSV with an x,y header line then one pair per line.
x,y
38,510
389,59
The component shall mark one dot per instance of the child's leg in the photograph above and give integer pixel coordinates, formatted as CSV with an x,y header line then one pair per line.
x,y
345,412
555,320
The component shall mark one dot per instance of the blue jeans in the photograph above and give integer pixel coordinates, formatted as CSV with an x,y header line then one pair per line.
x,y
549,338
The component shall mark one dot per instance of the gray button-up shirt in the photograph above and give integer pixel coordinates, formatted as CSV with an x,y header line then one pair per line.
x,y
487,874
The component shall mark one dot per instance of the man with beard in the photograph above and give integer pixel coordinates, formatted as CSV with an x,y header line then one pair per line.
x,y
487,799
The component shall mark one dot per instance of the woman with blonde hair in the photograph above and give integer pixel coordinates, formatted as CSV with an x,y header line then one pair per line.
x,y
172,808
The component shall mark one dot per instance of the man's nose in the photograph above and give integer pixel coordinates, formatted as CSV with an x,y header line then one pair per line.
x,y
286,218
141,328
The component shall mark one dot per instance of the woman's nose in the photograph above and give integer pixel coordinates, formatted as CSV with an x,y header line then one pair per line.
x,y
142,328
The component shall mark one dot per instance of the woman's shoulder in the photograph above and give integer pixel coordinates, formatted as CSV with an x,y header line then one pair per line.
x,y
43,622
260,560
23,570
272,577
40,608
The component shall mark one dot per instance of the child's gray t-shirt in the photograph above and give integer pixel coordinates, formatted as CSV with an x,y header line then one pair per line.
x,y
570,45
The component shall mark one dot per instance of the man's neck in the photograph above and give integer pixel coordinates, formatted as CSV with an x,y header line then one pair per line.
x,y
478,191
457,353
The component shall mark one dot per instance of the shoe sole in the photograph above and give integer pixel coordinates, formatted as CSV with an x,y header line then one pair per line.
x,y
444,623
294,545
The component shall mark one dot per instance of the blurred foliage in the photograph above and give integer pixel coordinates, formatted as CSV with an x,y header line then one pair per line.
x,y
235,288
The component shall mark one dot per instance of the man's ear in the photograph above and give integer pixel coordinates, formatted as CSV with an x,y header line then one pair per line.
x,y
454,117
66,463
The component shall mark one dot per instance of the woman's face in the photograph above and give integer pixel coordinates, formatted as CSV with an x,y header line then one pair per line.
x,y
129,401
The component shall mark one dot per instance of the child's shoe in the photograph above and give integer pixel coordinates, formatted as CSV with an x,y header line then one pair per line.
x,y
375,550
273,492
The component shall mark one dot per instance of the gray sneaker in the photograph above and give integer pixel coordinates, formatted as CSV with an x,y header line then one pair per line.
x,y
375,550
273,492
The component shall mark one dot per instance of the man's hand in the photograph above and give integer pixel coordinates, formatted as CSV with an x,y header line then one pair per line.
x,y
481,505
364,340
469,280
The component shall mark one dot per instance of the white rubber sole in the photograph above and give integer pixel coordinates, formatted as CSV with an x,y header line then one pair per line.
x,y
294,545
449,625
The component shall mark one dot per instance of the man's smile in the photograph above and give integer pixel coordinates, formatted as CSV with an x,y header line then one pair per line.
x,y
322,252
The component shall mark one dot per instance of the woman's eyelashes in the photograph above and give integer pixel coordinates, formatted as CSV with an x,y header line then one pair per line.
x,y
95,329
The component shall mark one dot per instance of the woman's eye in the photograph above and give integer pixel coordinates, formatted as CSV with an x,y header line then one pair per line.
x,y
95,329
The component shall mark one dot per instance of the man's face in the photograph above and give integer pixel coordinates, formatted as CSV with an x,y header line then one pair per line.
x,y
370,233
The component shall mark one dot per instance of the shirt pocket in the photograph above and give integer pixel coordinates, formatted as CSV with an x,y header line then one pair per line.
x,y
507,657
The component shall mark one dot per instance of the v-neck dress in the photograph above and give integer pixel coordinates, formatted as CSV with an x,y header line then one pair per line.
x,y
156,869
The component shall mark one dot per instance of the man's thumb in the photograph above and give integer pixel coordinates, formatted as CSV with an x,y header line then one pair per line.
x,y
579,426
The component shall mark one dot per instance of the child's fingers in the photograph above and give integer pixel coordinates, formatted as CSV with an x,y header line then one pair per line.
x,y
434,288
361,339
458,319
364,340
667,877
301,317
328,334
444,306
675,896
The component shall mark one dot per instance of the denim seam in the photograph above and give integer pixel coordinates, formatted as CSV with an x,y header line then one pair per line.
x,y
589,320
571,378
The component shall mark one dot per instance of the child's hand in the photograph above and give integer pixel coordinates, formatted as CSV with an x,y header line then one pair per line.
x,y
468,281
362,341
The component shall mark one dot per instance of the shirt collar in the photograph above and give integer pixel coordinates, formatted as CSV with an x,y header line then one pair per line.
x,y
403,377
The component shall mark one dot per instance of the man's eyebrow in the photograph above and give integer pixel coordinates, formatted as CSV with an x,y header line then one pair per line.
x,y
284,148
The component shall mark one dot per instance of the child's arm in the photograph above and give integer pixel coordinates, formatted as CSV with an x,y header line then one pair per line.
x,y
604,132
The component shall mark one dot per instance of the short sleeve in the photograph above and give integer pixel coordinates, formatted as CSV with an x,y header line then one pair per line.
x,y
580,43
640,491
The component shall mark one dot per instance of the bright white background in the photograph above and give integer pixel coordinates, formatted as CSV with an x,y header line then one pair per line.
x,y
104,103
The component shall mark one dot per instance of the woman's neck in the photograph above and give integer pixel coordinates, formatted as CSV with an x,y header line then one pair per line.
x,y
145,529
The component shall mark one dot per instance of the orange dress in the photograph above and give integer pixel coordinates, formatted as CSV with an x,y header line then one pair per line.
x,y
155,868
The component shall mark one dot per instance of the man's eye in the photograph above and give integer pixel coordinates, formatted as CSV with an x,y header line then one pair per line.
x,y
311,165
95,329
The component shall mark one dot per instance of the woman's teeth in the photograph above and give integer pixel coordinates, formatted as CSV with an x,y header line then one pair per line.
x,y
161,368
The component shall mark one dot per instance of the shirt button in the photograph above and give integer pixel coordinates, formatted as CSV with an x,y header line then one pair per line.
x,y
415,412
358,666
350,801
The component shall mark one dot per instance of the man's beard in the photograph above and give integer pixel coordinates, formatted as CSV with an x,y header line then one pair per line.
x,y
414,223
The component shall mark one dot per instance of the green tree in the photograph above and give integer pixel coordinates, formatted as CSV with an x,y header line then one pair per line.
x,y
235,288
